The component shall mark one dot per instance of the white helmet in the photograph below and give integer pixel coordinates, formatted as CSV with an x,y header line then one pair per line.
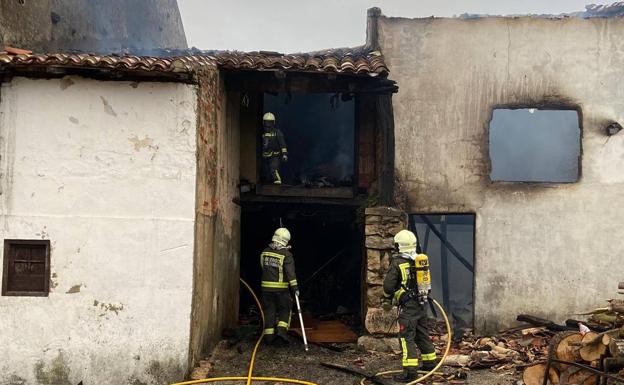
x,y
281,236
405,241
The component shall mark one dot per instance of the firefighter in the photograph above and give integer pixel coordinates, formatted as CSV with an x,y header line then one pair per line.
x,y
278,282
274,150
409,285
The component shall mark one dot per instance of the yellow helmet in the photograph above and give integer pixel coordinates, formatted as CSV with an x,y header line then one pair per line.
x,y
281,236
268,116
405,241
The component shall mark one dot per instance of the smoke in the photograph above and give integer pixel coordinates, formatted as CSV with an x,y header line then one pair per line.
x,y
532,145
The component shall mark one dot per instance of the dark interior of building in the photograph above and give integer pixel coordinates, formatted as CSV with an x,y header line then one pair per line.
x,y
327,247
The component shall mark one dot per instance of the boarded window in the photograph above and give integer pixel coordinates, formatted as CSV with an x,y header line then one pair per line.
x,y
532,145
26,267
448,240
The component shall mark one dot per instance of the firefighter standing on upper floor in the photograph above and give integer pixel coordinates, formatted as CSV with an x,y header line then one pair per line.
x,y
408,283
274,150
278,281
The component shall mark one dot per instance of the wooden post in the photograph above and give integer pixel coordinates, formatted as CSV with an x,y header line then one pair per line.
x,y
385,167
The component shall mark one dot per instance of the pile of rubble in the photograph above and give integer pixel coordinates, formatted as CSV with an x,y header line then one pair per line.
x,y
506,351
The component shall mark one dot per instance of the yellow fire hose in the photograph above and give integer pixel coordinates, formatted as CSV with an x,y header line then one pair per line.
x,y
446,352
249,377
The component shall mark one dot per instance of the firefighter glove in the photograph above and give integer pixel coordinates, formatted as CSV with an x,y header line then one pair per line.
x,y
285,158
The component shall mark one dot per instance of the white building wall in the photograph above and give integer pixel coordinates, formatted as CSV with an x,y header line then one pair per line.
x,y
106,172
551,250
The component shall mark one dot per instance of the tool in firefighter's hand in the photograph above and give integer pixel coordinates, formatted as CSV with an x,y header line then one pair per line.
x,y
303,333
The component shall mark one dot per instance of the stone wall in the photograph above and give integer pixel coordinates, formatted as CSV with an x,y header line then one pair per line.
x,y
381,225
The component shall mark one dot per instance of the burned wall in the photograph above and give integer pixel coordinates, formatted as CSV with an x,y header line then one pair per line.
x,y
217,218
91,26
533,241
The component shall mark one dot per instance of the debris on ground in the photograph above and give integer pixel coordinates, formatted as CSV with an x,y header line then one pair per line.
x,y
576,357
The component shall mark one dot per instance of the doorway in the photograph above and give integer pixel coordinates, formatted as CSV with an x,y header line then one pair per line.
x,y
327,245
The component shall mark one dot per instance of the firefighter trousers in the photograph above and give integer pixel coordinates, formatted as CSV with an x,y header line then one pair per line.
x,y
414,336
271,169
277,312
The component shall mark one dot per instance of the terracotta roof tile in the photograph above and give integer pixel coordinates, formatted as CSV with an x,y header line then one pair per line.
x,y
357,61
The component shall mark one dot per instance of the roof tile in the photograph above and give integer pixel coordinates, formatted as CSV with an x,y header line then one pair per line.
x,y
357,61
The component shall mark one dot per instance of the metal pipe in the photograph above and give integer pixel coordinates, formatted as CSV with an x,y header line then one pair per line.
x,y
303,333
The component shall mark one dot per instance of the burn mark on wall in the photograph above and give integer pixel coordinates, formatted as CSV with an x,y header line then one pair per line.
x,y
165,372
56,373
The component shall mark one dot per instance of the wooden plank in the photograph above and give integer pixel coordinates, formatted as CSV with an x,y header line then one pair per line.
x,y
294,191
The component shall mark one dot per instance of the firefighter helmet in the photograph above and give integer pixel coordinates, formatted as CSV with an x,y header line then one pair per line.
x,y
268,117
405,241
281,236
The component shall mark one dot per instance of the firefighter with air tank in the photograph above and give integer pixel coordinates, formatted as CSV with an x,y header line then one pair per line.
x,y
408,285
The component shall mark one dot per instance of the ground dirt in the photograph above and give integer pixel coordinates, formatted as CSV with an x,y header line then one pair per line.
x,y
232,358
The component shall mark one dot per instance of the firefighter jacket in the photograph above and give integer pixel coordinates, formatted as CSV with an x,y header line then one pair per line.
x,y
273,143
400,282
278,270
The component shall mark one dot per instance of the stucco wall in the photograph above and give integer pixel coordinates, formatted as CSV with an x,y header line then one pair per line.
x,y
106,171
546,249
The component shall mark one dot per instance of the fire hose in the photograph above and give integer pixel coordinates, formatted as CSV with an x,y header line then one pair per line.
x,y
446,352
249,378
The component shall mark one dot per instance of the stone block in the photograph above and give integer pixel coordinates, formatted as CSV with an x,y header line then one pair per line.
x,y
384,211
373,229
378,242
379,321
374,292
372,219
374,278
379,344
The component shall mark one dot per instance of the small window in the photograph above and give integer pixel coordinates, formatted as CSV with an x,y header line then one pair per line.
x,y
26,268
533,145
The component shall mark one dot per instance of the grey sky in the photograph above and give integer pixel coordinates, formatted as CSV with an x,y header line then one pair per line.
x,y
303,25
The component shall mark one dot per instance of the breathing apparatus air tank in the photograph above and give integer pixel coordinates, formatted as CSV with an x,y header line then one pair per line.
x,y
423,278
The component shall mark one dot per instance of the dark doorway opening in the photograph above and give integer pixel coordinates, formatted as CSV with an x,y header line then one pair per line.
x,y
327,247
448,241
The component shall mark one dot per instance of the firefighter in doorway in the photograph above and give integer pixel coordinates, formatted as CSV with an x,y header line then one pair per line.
x,y
408,283
278,278
274,150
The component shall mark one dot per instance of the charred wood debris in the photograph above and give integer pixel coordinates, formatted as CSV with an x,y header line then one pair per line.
x,y
587,352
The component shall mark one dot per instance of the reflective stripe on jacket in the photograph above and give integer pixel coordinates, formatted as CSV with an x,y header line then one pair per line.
x,y
278,270
398,278
273,143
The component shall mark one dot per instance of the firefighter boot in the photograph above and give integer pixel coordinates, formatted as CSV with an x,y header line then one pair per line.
x,y
429,365
408,375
